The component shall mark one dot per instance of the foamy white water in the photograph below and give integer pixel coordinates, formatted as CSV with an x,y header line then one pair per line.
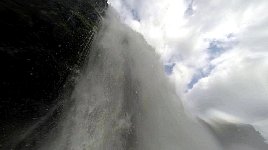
x,y
124,101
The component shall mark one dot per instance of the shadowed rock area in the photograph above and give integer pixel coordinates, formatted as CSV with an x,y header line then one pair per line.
x,y
43,44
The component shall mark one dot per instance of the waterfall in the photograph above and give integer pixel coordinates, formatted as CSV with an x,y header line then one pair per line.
x,y
124,101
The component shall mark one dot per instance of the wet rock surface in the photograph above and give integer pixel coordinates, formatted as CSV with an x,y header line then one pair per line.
x,y
42,45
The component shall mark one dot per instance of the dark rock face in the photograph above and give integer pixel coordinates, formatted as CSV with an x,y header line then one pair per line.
x,y
42,43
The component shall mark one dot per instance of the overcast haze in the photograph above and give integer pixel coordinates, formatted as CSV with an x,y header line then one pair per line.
x,y
215,52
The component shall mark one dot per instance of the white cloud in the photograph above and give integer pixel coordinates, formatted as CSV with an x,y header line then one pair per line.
x,y
235,80
238,86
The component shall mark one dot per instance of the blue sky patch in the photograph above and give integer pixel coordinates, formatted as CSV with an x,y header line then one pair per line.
x,y
201,73
135,15
216,48
169,68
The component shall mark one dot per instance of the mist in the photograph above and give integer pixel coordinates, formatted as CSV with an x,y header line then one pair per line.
x,y
123,100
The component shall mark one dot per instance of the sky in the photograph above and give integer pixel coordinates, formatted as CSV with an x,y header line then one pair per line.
x,y
215,52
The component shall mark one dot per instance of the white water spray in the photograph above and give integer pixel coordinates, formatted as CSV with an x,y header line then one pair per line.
x,y
124,101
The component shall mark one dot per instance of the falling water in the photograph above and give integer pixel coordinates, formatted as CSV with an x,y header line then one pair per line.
x,y
123,100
